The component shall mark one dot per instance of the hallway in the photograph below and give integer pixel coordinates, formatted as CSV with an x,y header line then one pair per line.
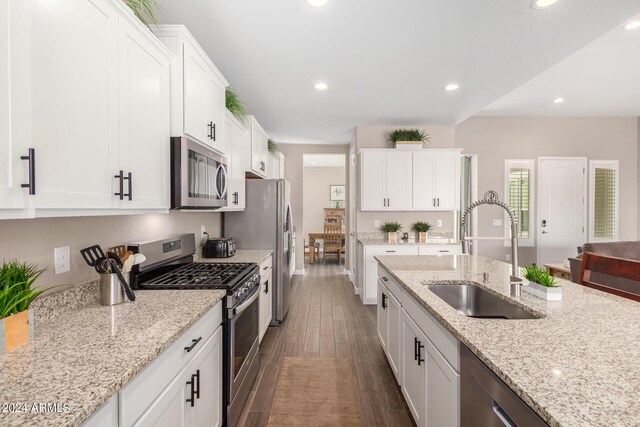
x,y
327,320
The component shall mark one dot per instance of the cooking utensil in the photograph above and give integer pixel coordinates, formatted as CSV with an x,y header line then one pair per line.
x,y
103,266
127,289
92,255
115,257
138,259
126,266
118,250
126,256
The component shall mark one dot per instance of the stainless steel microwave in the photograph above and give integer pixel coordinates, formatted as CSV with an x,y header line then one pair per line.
x,y
198,176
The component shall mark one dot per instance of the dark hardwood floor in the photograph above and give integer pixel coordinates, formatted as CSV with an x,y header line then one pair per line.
x,y
326,319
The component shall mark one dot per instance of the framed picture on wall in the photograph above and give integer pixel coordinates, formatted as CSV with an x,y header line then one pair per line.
x,y
338,193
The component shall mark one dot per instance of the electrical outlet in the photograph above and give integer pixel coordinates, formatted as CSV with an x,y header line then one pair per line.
x,y
376,223
61,259
203,230
497,222
439,223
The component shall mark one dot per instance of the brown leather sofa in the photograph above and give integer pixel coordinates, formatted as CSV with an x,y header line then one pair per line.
x,y
627,250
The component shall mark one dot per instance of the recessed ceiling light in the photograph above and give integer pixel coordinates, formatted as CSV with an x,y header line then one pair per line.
x,y
558,100
632,25
321,86
541,4
317,3
451,87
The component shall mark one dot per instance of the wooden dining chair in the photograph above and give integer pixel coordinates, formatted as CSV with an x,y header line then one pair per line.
x,y
332,242
622,275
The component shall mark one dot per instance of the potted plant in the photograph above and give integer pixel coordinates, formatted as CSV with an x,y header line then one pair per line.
x,y
391,228
272,146
16,295
541,283
234,105
408,138
422,228
145,10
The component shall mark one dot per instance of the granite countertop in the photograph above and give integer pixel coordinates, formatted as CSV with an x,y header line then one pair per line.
x,y
85,355
242,255
575,366
410,242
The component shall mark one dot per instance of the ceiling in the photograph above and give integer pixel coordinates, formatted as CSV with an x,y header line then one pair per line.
x,y
324,160
601,79
385,62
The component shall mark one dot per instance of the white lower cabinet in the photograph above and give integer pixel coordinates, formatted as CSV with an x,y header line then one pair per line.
x,y
368,282
106,416
422,354
440,250
266,295
182,386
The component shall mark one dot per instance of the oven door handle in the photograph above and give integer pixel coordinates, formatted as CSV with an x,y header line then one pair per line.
x,y
242,307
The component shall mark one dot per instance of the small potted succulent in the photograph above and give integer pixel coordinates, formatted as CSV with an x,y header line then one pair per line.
x,y
541,283
391,228
16,295
411,139
421,228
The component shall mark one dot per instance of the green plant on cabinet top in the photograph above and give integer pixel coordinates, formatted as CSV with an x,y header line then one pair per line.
x,y
535,274
16,292
390,227
421,227
145,10
234,105
272,146
409,135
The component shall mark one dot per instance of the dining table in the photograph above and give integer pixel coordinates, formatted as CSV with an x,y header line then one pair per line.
x,y
313,236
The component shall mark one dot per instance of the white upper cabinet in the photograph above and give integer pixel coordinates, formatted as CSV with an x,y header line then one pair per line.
x,y
276,165
90,101
385,180
143,82
74,103
12,195
436,177
239,148
259,152
197,90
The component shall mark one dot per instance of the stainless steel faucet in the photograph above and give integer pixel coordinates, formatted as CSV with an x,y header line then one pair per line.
x,y
491,198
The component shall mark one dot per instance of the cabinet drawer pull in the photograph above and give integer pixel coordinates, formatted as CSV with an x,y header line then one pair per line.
x,y
420,347
194,342
390,252
192,383
31,158
197,375
120,177
235,198
213,131
415,348
385,279
266,287
384,301
444,251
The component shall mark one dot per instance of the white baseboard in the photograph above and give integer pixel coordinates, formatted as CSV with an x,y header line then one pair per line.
x,y
299,272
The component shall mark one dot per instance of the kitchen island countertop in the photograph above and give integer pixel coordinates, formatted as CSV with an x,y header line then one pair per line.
x,y
575,366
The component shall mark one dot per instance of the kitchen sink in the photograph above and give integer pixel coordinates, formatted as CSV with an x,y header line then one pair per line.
x,y
473,301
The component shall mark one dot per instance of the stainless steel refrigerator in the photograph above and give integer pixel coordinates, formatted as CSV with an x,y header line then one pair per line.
x,y
267,223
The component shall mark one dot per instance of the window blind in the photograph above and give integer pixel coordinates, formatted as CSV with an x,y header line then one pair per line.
x,y
604,206
519,198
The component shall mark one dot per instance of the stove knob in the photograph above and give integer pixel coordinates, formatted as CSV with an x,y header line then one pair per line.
x,y
242,293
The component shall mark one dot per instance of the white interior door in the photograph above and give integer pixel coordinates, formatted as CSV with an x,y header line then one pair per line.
x,y
562,193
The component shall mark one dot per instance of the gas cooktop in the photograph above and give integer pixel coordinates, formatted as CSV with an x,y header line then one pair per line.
x,y
196,275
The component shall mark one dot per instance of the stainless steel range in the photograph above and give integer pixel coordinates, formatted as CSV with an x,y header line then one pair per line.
x,y
170,265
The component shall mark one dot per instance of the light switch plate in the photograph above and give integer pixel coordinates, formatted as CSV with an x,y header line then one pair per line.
x,y
376,223
497,222
439,223
61,259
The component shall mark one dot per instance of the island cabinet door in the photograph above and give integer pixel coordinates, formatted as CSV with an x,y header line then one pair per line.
x,y
443,390
414,369
394,345
383,315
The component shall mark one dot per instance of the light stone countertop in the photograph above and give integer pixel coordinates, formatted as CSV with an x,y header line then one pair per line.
x,y
242,255
410,242
84,356
579,365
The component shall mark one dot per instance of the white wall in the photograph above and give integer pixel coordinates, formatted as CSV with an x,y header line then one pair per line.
x,y
316,184
495,139
33,240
